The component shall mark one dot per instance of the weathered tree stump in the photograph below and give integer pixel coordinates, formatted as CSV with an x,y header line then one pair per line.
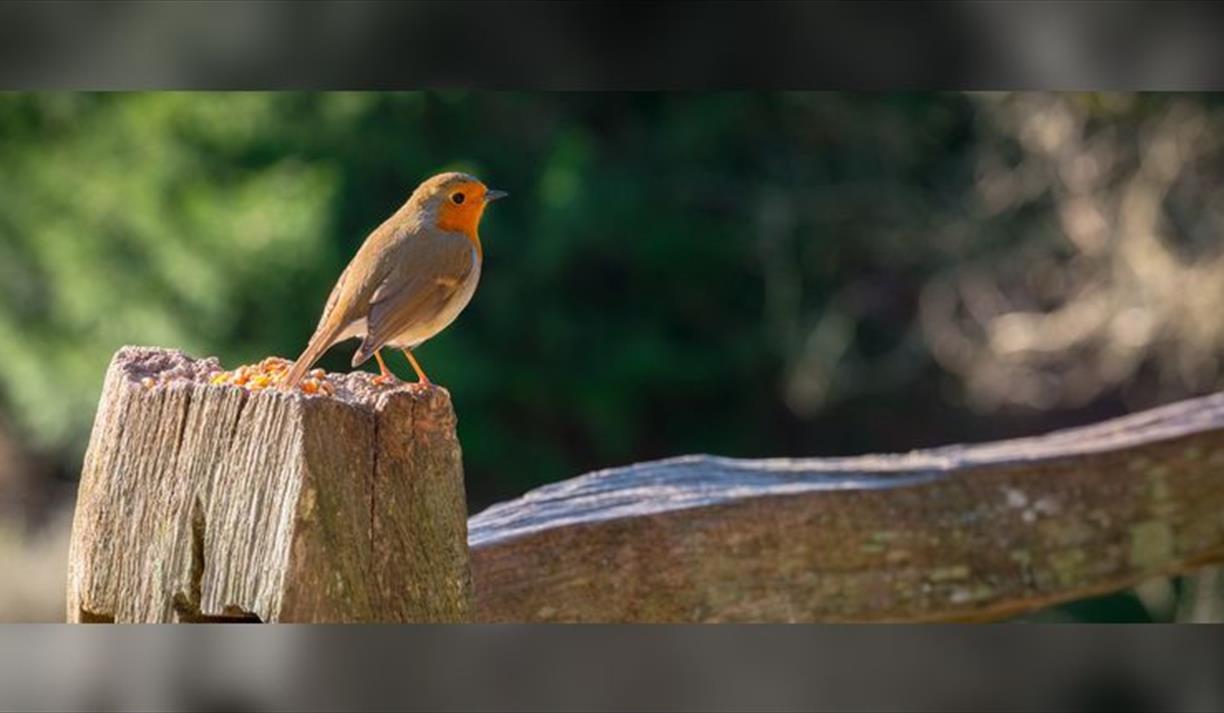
x,y
203,502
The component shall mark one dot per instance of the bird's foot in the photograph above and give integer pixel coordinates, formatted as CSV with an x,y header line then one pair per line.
x,y
385,380
385,377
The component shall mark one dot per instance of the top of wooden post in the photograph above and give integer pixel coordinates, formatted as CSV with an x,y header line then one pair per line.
x,y
156,367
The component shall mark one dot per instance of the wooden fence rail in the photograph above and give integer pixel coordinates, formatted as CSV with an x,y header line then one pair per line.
x,y
958,533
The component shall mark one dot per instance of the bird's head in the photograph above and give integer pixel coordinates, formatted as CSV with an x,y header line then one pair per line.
x,y
456,201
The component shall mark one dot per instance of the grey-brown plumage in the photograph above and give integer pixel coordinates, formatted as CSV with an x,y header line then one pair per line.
x,y
411,277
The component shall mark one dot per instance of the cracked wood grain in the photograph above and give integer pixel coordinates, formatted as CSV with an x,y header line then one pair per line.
x,y
962,533
203,502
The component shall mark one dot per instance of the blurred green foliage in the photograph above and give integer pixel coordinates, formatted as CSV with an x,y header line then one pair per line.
x,y
622,313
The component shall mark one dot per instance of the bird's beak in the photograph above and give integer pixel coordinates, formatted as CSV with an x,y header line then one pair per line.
x,y
491,196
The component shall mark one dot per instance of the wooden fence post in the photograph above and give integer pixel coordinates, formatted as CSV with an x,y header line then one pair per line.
x,y
203,502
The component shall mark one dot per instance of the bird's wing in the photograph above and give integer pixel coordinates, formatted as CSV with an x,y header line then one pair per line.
x,y
329,309
417,288
349,300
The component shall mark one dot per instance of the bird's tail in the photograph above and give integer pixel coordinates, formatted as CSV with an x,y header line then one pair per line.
x,y
313,351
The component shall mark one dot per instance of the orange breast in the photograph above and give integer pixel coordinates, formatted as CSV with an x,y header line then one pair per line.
x,y
463,218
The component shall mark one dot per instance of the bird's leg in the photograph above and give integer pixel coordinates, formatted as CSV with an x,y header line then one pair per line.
x,y
385,376
417,367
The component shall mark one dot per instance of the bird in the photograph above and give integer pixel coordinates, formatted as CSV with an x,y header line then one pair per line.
x,y
409,280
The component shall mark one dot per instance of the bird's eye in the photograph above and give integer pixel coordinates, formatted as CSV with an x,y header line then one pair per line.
x,y
457,198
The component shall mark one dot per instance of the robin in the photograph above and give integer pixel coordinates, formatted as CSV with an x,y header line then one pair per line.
x,y
409,280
